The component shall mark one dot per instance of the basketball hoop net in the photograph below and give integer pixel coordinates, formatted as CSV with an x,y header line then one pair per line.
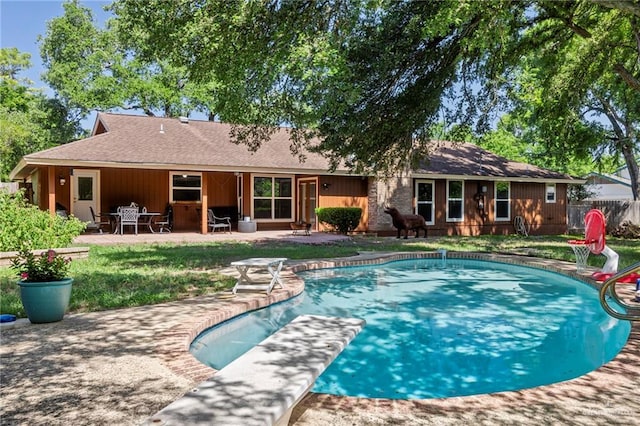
x,y
581,248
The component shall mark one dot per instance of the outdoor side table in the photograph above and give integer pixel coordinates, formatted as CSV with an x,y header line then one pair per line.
x,y
273,266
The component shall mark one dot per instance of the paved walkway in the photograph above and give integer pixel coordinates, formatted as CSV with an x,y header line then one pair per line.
x,y
194,237
120,367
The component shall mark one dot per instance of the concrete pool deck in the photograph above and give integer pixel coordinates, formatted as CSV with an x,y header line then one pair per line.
x,y
122,366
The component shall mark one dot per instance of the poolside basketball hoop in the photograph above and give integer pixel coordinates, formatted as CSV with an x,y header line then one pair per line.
x,y
581,249
595,228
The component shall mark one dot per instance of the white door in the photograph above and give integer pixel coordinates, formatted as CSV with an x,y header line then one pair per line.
x,y
86,193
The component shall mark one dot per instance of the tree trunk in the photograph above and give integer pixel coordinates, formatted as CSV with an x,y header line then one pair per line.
x,y
632,165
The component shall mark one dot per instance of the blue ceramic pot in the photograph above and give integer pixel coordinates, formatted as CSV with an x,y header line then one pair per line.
x,y
45,301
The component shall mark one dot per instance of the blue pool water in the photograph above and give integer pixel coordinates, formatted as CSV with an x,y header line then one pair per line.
x,y
435,330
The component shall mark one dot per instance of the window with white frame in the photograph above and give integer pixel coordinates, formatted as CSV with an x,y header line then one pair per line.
x,y
272,197
550,196
503,201
455,201
425,206
185,186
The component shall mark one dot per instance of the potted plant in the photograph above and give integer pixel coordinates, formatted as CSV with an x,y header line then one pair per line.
x,y
45,288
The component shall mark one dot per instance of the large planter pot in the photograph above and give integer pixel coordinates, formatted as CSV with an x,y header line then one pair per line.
x,y
45,301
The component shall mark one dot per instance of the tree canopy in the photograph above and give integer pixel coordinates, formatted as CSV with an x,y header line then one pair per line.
x,y
371,78
29,121
365,82
91,68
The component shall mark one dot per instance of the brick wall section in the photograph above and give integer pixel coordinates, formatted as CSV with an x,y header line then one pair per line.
x,y
392,192
372,200
172,346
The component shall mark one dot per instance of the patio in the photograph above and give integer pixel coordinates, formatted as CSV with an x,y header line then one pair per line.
x,y
122,366
194,237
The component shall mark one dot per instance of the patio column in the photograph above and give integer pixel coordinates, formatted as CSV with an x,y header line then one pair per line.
x,y
51,189
205,203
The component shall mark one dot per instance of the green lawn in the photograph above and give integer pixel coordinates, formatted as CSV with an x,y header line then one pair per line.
x,y
124,276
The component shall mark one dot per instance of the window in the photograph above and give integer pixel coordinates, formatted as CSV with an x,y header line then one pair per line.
x,y
185,187
551,193
272,197
85,188
455,205
503,201
35,188
424,200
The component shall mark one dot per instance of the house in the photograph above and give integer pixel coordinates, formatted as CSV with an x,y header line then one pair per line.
x,y
193,166
614,186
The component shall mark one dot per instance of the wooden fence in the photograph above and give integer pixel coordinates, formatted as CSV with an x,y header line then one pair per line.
x,y
616,211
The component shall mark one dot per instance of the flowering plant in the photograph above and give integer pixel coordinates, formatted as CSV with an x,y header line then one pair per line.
x,y
49,266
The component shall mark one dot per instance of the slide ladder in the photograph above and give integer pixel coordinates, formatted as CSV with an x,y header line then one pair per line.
x,y
632,312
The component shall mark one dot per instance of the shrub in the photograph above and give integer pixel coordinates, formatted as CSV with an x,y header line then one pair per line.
x,y
343,219
23,224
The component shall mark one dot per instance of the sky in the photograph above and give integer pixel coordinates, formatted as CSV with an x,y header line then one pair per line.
x,y
22,21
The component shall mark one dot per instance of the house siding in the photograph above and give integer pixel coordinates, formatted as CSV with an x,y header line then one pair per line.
x,y
345,191
527,200
121,187
150,188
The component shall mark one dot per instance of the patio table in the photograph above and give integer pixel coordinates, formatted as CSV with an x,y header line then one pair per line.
x,y
145,218
149,220
273,266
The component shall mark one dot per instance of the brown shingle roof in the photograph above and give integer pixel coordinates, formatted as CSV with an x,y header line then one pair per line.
x,y
465,159
131,141
134,140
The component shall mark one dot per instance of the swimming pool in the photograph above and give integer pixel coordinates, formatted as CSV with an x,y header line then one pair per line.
x,y
435,330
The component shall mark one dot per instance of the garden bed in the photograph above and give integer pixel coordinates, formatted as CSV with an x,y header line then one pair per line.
x,y
72,252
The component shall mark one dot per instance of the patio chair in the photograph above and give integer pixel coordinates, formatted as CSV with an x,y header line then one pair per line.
x,y
99,220
214,222
128,217
164,222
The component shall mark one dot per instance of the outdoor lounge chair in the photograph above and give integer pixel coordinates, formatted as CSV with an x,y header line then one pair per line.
x,y
214,222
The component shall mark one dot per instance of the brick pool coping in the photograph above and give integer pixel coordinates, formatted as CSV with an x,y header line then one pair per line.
x,y
172,346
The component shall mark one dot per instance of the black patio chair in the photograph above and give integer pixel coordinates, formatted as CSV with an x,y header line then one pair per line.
x,y
164,223
100,220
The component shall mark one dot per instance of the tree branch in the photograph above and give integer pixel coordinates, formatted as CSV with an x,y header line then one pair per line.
x,y
628,6
582,32
613,118
627,76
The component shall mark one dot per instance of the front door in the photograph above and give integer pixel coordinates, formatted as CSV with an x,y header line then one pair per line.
x,y
307,200
86,193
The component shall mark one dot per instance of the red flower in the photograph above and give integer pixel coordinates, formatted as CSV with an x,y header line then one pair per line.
x,y
24,276
51,255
